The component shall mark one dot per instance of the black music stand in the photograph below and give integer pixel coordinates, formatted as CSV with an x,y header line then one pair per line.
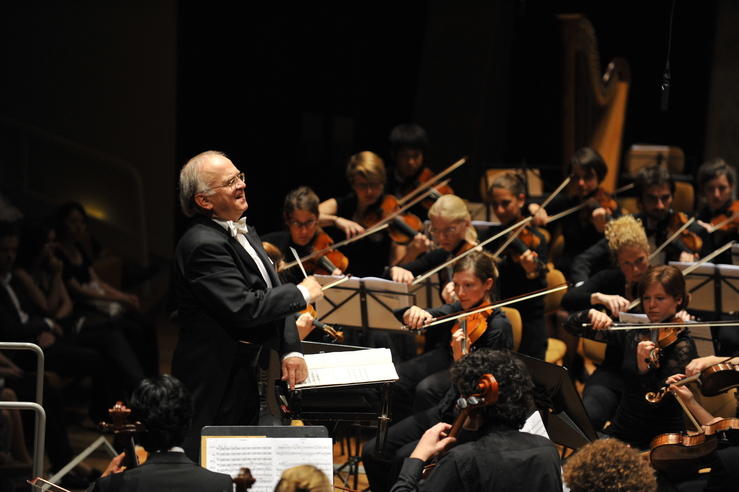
x,y
567,422
357,403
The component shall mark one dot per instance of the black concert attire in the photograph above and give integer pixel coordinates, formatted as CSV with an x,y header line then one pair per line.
x,y
502,459
369,255
716,239
231,310
598,256
603,388
88,318
170,470
425,378
637,421
283,241
512,281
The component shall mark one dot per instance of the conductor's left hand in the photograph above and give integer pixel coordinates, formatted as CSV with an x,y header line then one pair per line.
x,y
294,371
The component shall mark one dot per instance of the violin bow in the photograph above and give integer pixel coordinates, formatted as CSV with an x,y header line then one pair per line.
x,y
671,238
579,206
426,275
506,302
432,180
325,287
658,326
546,202
408,205
690,269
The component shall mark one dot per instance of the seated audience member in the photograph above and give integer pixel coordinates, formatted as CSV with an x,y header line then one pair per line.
x,y
655,189
425,378
95,299
39,273
495,455
303,478
608,464
164,406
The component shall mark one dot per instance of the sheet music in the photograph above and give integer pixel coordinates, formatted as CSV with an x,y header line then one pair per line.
x,y
350,367
535,425
266,457
633,318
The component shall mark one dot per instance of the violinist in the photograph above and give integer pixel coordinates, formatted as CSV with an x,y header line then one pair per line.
x,y
408,151
724,474
716,180
452,232
613,289
360,210
584,228
425,378
663,296
300,213
164,406
523,263
655,190
492,452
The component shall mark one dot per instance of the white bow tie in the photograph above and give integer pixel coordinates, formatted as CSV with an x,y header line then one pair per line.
x,y
237,228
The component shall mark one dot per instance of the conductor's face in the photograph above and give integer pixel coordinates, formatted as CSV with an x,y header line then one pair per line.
x,y
226,195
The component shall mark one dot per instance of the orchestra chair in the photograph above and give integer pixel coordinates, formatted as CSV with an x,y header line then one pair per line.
x,y
593,354
556,246
516,325
643,155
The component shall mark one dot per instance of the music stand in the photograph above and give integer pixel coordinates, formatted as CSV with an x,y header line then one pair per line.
x,y
567,422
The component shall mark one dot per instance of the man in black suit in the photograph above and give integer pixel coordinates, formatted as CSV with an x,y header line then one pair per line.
x,y
164,406
231,306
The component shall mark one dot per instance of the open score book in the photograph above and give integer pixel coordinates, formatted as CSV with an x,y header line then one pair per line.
x,y
352,367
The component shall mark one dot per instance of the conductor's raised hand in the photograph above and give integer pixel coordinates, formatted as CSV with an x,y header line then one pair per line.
x,y
314,288
294,371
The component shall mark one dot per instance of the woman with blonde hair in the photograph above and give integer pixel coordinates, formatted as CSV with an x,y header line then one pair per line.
x,y
303,478
452,232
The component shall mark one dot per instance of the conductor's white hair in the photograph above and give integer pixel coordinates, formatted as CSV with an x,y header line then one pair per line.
x,y
191,182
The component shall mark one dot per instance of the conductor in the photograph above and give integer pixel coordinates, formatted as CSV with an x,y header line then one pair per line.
x,y
231,307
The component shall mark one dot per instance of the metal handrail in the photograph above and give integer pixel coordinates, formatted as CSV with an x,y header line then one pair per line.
x,y
38,450
40,430
29,131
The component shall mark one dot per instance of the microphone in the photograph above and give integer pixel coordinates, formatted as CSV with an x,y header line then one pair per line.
x,y
664,88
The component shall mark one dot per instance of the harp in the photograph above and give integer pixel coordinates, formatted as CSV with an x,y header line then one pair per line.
x,y
593,103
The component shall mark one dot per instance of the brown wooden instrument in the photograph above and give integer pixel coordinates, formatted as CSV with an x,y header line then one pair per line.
x,y
713,381
123,435
244,480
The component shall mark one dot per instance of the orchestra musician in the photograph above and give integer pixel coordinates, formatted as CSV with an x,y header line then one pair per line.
x,y
360,210
655,190
300,213
716,179
425,378
231,307
613,289
452,232
408,151
492,452
663,295
164,407
523,265
584,228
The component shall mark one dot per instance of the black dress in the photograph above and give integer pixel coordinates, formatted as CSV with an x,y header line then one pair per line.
x,y
637,421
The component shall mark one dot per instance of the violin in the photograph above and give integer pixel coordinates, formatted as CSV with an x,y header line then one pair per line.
x,y
473,327
424,176
486,394
713,381
519,242
599,198
403,227
123,435
329,260
687,241
727,223
663,338
679,454
332,333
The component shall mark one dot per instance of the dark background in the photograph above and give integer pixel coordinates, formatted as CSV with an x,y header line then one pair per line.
x,y
290,91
